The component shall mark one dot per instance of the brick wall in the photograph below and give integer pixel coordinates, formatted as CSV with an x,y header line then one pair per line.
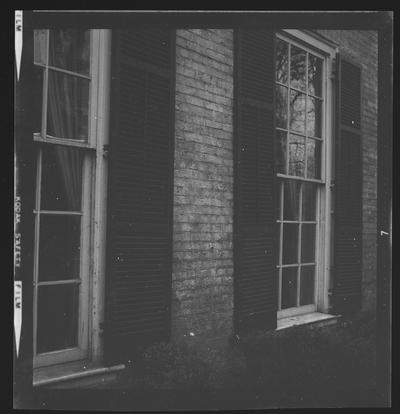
x,y
202,285
362,47
203,195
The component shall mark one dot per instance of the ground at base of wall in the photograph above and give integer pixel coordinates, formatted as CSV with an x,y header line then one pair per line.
x,y
333,366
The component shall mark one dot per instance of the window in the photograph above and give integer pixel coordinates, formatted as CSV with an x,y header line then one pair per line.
x,y
302,144
70,116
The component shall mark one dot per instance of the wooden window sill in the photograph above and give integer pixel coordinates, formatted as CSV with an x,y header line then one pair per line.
x,y
307,319
72,374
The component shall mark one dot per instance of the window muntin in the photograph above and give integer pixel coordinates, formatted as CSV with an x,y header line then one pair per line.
x,y
65,161
300,140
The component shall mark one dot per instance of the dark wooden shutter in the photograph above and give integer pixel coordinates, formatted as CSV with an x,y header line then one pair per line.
x,y
138,280
348,190
254,217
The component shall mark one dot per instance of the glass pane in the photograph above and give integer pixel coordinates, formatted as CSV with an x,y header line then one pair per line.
x,y
296,155
314,117
39,46
289,287
281,106
279,203
291,200
313,158
314,75
309,201
61,178
297,68
59,248
308,243
68,106
70,49
57,317
307,285
281,145
290,243
281,64
38,99
297,111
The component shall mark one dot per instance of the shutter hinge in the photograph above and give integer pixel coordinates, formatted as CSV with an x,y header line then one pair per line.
x,y
332,185
101,328
106,150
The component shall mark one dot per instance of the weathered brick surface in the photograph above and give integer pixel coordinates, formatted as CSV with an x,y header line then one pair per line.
x,y
203,177
362,47
202,287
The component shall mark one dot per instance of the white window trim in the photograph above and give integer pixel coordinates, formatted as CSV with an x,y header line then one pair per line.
x,y
327,51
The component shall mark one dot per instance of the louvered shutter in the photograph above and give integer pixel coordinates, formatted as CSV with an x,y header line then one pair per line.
x,y
255,227
348,190
139,239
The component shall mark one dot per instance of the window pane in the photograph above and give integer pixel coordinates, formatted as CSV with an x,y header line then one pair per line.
x,y
281,145
281,106
279,203
39,46
296,155
309,201
297,111
57,317
313,158
291,200
290,243
61,178
281,61
314,117
308,243
70,49
298,68
307,285
59,248
289,287
68,106
314,75
38,99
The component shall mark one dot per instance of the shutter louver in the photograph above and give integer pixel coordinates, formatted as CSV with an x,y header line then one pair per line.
x,y
255,226
139,240
348,191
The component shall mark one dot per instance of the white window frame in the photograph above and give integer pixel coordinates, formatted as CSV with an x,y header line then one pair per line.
x,y
319,47
93,227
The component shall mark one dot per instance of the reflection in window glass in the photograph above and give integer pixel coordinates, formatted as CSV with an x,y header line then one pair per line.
x,y
307,243
68,106
291,200
297,111
38,99
281,68
314,117
314,75
313,158
290,243
57,317
59,247
39,46
281,145
61,178
307,274
69,49
309,201
289,287
281,106
298,68
296,155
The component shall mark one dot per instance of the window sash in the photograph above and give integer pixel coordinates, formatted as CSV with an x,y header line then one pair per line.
x,y
89,147
320,184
